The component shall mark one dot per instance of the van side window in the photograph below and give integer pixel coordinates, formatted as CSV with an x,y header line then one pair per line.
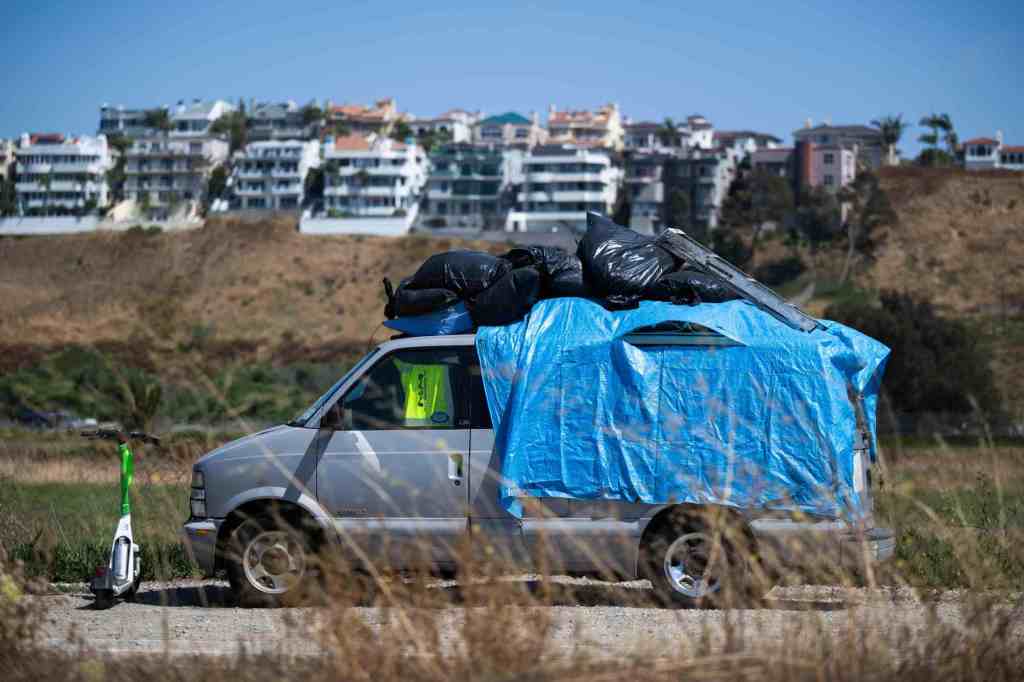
x,y
410,389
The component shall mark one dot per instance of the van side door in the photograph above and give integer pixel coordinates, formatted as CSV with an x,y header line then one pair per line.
x,y
392,474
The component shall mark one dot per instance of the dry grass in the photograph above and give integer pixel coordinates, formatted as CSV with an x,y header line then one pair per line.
x,y
250,288
957,242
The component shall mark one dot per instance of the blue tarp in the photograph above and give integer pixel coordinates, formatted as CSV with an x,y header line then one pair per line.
x,y
579,412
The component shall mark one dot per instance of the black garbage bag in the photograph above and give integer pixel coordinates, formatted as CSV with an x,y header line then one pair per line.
x,y
405,302
561,272
620,262
507,300
689,287
569,281
466,273
621,301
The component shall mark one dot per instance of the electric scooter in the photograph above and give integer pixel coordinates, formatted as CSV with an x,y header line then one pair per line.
x,y
120,578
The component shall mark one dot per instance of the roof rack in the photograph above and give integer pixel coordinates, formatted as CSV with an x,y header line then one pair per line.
x,y
699,257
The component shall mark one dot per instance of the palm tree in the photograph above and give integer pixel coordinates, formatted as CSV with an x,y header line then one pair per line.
x,y
891,128
949,136
935,123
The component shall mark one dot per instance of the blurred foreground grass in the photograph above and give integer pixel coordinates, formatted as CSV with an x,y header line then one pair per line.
x,y
958,511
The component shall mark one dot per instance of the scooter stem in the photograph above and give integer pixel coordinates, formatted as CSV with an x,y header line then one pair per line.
x,y
127,474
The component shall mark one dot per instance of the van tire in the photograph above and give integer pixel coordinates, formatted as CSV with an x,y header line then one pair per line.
x,y
693,563
270,563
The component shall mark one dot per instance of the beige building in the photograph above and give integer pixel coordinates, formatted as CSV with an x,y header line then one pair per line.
x,y
163,172
372,176
360,119
510,129
600,128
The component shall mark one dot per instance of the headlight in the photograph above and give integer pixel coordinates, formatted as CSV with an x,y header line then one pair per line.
x,y
197,495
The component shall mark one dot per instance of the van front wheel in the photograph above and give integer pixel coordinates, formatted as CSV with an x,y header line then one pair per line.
x,y
270,562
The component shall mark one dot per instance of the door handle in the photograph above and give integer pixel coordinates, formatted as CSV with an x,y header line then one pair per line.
x,y
455,468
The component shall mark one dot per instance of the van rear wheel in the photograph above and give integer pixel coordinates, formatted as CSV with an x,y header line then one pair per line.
x,y
270,563
692,565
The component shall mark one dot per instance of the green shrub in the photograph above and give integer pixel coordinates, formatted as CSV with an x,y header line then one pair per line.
x,y
937,364
780,271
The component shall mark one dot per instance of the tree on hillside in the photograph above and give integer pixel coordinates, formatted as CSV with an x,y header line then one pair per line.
x,y
755,200
116,175
217,185
314,188
941,127
623,211
676,209
158,119
8,195
728,244
46,181
891,129
668,133
868,208
401,131
933,123
949,136
234,125
433,138
937,365
816,220
311,113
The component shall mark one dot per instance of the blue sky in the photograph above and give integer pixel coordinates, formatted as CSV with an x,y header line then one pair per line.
x,y
766,66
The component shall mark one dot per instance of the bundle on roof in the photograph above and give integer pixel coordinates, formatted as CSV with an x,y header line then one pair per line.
x,y
612,264
621,264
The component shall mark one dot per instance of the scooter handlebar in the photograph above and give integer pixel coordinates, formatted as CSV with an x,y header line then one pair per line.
x,y
120,436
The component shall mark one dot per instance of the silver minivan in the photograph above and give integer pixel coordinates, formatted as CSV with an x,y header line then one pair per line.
x,y
393,477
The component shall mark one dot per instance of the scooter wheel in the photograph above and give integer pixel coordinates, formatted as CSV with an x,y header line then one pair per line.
x,y
132,593
104,599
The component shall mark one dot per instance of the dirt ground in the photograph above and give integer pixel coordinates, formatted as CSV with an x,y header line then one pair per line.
x,y
603,619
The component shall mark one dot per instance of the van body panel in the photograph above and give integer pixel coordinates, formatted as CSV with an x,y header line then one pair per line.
x,y
402,496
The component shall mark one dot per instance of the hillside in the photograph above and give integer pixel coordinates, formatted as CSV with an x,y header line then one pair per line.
x,y
237,289
196,308
959,241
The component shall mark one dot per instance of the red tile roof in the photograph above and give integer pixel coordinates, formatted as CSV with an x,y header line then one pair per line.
x,y
599,117
981,140
358,143
1017,149
47,138
353,143
361,112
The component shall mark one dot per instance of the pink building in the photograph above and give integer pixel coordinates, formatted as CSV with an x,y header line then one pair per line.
x,y
832,167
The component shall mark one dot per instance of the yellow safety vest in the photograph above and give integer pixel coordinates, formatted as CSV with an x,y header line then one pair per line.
x,y
427,394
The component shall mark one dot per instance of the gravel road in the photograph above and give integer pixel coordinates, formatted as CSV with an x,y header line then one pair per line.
x,y
197,617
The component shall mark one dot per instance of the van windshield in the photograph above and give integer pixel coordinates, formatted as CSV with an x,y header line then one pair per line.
x,y
308,413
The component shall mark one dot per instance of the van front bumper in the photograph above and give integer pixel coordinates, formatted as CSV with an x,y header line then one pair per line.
x,y
870,547
199,537
821,546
